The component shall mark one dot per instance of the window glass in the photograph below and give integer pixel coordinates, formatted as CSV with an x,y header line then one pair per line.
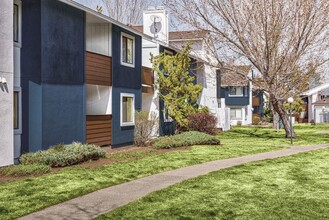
x,y
127,109
127,50
16,110
16,25
236,90
236,114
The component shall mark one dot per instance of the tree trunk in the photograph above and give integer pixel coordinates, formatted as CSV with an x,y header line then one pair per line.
x,y
275,117
285,117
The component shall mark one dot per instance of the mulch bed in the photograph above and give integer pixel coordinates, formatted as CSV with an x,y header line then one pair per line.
x,y
106,161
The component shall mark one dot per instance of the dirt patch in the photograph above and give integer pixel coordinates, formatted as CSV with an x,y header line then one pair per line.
x,y
145,151
113,156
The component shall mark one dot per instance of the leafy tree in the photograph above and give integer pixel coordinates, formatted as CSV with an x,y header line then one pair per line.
x,y
176,86
296,106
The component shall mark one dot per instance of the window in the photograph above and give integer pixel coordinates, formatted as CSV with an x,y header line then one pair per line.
x,y
245,89
168,52
127,109
127,50
236,113
16,110
236,91
16,24
219,103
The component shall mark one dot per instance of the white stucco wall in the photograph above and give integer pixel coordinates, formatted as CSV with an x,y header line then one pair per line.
x,y
320,111
6,90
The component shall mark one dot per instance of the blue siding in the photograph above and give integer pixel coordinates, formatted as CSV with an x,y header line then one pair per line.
x,y
237,101
122,136
63,44
124,76
125,80
53,74
35,121
63,118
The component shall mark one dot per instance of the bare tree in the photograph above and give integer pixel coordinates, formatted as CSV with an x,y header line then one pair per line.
x,y
286,41
126,11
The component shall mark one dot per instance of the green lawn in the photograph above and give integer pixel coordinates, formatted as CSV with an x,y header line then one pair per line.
x,y
31,194
294,187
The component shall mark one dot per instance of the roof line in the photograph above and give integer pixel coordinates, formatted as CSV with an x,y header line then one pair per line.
x,y
111,20
316,89
104,17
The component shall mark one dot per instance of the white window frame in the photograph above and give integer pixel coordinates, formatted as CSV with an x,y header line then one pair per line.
x,y
240,95
168,52
129,95
19,129
235,118
19,28
121,51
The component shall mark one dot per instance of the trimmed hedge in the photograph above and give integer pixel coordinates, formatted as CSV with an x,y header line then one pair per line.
x,y
25,170
185,139
64,155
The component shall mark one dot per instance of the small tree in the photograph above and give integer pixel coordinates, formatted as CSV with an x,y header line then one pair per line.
x,y
176,86
145,127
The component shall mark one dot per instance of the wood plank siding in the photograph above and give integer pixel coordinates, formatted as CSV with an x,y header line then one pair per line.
x,y
255,101
98,69
99,130
147,80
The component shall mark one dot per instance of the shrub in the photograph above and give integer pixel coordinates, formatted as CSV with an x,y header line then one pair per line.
x,y
255,120
145,127
185,139
25,170
203,122
64,155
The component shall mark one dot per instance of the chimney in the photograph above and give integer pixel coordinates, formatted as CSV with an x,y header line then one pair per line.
x,y
155,23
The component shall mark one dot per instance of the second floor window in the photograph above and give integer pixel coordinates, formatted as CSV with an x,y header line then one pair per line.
x,y
127,50
16,24
236,91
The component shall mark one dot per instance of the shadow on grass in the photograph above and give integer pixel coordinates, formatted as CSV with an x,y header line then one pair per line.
x,y
263,133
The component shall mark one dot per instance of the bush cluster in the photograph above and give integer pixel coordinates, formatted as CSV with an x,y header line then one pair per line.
x,y
64,155
255,120
203,122
25,170
185,139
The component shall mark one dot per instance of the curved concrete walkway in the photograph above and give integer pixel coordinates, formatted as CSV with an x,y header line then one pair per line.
x,y
105,200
